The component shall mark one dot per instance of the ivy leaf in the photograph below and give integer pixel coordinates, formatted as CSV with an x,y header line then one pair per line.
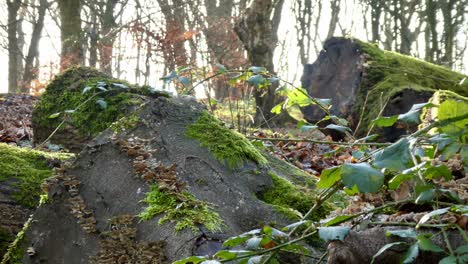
x,y
339,128
384,121
86,89
427,245
395,157
55,115
329,177
190,260
428,216
101,103
184,80
120,86
333,232
362,175
396,181
384,248
257,70
411,254
256,80
410,233
169,77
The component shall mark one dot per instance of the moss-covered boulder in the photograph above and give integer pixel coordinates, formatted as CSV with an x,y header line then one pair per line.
x,y
80,103
361,79
174,184
22,172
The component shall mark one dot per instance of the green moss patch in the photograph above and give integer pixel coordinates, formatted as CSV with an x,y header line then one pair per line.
x,y
225,144
5,240
78,85
389,73
26,169
181,208
289,199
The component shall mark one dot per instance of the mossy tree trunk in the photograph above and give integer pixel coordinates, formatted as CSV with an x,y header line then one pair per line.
x,y
71,33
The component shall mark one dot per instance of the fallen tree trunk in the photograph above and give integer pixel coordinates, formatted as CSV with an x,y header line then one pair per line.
x,y
361,79
165,182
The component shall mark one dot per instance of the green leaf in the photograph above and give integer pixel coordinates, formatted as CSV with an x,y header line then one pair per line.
x,y
362,175
413,115
235,241
277,109
273,80
101,88
339,128
425,196
396,157
256,80
257,70
169,77
351,191
329,177
298,96
184,80
120,86
86,89
101,103
451,109
333,232
449,260
70,111
190,260
435,172
462,250
220,68
211,262
253,242
231,254
396,181
428,216
294,225
55,115
411,254
384,121
338,220
308,127
427,245
402,233
385,248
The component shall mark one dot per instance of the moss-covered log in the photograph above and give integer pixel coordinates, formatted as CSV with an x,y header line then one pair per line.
x,y
22,172
349,70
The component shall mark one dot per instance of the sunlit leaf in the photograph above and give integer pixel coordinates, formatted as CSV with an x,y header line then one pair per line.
x,y
257,70
338,220
395,182
190,260
55,115
86,89
253,242
427,245
101,103
385,248
413,115
429,215
425,196
342,129
169,77
402,233
362,175
329,177
256,80
395,157
120,86
411,254
384,121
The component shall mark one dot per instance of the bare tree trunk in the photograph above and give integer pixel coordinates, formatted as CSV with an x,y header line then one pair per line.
x,y
13,72
71,33
106,42
30,71
93,36
256,32
335,6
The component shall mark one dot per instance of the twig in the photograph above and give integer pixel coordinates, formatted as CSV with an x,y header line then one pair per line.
x,y
320,141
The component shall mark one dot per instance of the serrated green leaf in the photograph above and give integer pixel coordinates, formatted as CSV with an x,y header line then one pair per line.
x,y
384,121
429,215
55,115
329,177
333,232
396,181
362,175
411,254
385,248
402,233
396,157
427,245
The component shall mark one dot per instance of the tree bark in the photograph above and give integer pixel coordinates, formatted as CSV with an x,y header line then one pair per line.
x,y
30,71
106,42
13,71
71,33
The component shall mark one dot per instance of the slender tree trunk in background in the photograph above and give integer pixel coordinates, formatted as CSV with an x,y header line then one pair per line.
x,y
71,33
30,71
432,43
303,10
175,54
93,36
13,77
255,31
335,6
106,42
376,12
